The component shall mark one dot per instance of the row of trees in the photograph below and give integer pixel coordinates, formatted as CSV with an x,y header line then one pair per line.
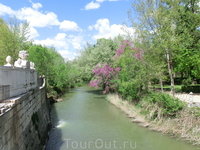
x,y
167,46
169,31
60,75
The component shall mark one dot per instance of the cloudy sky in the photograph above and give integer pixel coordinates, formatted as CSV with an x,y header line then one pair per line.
x,y
69,24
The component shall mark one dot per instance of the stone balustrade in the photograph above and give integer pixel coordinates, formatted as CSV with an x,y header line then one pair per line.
x,y
20,80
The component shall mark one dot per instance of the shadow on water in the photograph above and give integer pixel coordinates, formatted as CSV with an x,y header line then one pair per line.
x,y
54,142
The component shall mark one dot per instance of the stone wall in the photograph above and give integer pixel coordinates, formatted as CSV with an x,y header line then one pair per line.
x,y
20,80
24,126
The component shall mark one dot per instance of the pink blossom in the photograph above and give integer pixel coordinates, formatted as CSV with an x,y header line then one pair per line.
x,y
126,44
123,46
117,69
104,75
119,52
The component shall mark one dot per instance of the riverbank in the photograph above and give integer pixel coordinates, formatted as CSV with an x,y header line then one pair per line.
x,y
186,126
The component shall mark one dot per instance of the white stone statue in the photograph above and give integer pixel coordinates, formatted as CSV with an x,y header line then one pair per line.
x,y
8,60
18,63
32,65
23,55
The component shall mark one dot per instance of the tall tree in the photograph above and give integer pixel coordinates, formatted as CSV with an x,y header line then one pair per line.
x,y
100,53
12,36
158,22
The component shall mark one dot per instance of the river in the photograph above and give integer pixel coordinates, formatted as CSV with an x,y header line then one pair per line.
x,y
86,120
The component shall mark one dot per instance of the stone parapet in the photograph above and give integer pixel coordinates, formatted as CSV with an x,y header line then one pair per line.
x,y
20,80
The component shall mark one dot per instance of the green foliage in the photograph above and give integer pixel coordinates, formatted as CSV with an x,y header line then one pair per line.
x,y
187,81
168,105
190,88
168,32
128,91
59,74
12,36
100,53
133,73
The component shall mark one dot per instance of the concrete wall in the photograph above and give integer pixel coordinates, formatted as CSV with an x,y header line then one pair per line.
x,y
24,126
20,80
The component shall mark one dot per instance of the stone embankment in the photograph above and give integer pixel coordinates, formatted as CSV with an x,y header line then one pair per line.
x,y
24,107
24,126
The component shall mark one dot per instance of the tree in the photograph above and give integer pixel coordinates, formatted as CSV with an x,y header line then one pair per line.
x,y
187,25
12,37
100,53
59,74
158,22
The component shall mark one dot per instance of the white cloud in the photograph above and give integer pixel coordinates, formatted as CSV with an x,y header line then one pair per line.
x,y
36,18
100,1
64,53
105,30
39,19
6,10
90,28
77,41
69,25
67,55
36,5
33,33
62,42
59,41
60,36
92,5
33,16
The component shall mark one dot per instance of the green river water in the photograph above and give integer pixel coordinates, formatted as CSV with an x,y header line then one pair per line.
x,y
86,120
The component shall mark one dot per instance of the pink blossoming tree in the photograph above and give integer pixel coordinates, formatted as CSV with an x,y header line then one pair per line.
x,y
103,77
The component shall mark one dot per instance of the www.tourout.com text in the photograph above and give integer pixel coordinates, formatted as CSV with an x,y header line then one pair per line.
x,y
99,144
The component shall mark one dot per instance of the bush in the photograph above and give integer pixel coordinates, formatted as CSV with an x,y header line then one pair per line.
x,y
169,105
190,88
187,81
128,91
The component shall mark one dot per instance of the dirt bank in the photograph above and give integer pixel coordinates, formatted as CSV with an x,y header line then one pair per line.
x,y
186,126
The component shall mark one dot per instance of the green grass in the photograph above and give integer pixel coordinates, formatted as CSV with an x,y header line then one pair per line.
x,y
168,87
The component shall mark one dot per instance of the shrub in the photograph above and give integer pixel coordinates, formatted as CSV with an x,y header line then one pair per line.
x,y
128,91
187,81
169,105
191,88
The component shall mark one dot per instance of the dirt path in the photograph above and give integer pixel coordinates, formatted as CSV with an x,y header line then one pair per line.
x,y
191,99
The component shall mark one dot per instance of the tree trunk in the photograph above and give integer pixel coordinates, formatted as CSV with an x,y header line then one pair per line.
x,y
147,80
161,84
170,69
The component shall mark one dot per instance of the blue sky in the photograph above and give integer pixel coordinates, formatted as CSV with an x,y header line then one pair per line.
x,y
69,24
